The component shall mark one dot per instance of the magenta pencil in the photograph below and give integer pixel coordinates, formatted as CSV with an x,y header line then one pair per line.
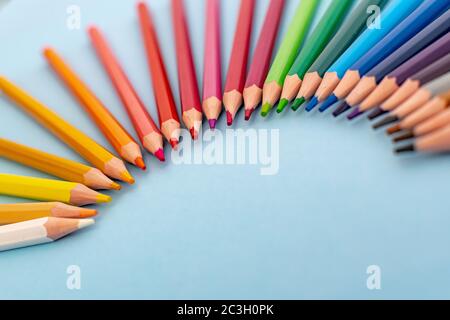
x,y
212,74
262,57
237,69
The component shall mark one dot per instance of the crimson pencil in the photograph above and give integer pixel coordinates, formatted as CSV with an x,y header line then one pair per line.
x,y
148,132
187,80
237,70
262,57
212,74
167,110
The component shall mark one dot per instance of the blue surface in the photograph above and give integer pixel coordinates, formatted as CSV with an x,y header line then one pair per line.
x,y
340,202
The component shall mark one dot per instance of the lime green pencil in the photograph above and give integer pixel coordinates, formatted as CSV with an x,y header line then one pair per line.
x,y
288,52
325,30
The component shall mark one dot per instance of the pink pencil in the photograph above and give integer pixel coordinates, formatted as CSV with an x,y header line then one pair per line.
x,y
262,57
212,75
237,70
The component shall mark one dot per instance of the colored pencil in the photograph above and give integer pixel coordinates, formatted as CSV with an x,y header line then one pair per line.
x,y
95,154
145,127
189,94
212,71
57,166
351,28
425,66
325,30
435,106
393,14
167,110
395,94
262,57
39,231
18,212
418,99
437,141
288,51
362,78
434,123
119,138
49,190
237,67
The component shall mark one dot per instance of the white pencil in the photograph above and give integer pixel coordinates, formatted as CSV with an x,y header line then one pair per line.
x,y
38,231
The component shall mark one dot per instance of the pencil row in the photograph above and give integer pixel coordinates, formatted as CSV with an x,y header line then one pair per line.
x,y
400,69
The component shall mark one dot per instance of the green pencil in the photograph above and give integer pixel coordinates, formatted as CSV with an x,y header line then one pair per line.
x,y
325,30
288,51
353,26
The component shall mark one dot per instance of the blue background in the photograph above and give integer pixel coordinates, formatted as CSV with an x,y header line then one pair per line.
x,y
340,202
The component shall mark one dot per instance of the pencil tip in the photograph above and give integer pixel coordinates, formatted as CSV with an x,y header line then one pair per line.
x,y
229,118
83,223
174,143
194,133
139,162
376,113
160,155
126,176
248,114
115,186
343,107
385,121
354,114
328,103
103,198
312,103
212,123
266,109
408,134
282,104
87,213
393,129
297,103
408,148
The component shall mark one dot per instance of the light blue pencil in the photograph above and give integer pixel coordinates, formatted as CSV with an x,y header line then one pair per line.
x,y
395,12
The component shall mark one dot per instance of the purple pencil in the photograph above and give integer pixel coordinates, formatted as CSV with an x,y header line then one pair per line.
x,y
262,57
392,82
410,86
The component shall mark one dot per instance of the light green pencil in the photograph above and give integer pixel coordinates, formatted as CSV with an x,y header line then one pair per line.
x,y
288,51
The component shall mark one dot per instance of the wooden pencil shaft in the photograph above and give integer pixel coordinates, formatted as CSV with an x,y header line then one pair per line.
x,y
351,28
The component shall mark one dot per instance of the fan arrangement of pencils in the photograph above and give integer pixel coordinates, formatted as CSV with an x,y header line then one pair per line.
x,y
399,69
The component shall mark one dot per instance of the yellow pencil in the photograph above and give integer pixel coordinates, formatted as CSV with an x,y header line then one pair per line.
x,y
18,212
49,190
56,166
90,150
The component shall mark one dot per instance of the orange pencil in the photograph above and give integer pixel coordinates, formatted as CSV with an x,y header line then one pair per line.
x,y
90,150
143,123
119,138
18,212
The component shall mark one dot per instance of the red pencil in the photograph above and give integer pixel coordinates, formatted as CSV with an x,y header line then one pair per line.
x,y
262,57
190,99
212,74
167,111
232,98
148,132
